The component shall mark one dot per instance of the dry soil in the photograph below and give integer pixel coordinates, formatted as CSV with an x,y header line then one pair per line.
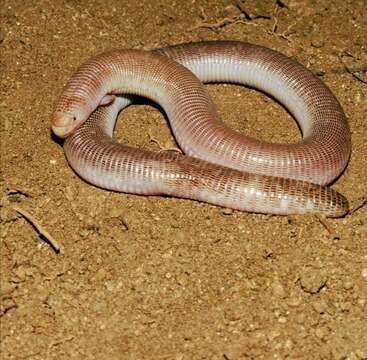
x,y
164,278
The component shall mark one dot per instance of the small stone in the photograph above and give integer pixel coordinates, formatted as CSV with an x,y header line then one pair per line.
x,y
273,334
282,319
53,301
181,280
227,211
84,233
300,318
312,281
294,301
364,274
302,332
348,284
362,354
278,289
320,306
288,345
110,286
345,306
28,271
321,333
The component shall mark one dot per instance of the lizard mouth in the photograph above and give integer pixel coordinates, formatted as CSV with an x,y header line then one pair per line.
x,y
63,124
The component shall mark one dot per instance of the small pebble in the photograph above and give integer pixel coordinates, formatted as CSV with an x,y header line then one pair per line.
x,y
84,233
181,280
282,319
321,333
110,285
362,354
320,306
312,281
227,211
348,284
345,306
53,302
278,289
362,302
294,301
300,318
288,345
364,274
273,334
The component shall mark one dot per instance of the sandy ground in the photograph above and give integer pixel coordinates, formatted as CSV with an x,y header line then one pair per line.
x,y
163,278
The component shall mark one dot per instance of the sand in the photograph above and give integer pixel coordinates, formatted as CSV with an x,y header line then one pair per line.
x,y
164,278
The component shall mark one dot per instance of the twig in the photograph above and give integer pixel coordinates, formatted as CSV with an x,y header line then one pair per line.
x,y
41,230
325,224
359,78
218,24
359,206
355,70
58,342
161,146
274,30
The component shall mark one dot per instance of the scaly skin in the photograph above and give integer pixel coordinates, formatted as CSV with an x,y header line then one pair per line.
x,y
243,174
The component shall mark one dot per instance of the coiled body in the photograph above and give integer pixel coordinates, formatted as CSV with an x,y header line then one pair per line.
x,y
221,166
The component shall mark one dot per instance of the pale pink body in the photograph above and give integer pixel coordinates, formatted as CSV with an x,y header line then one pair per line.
x,y
220,166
